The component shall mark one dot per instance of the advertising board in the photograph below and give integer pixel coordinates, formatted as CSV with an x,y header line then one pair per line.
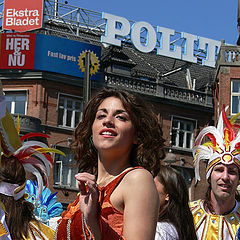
x,y
48,53
22,16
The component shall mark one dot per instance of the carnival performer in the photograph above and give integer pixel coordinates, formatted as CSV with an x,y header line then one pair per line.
x,y
175,221
217,216
118,147
4,232
19,212
18,157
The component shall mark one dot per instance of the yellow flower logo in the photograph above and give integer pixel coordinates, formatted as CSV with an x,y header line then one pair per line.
x,y
94,62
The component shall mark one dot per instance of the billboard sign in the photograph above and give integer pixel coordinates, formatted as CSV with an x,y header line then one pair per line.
x,y
65,56
22,16
17,50
167,42
48,53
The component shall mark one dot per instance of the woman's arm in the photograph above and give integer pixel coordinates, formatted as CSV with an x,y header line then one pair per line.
x,y
141,206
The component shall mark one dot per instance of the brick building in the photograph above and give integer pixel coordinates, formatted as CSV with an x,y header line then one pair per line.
x,y
52,102
227,79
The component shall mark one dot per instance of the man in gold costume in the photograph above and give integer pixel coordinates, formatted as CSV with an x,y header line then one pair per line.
x,y
218,215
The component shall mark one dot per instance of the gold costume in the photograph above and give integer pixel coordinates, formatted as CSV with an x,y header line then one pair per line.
x,y
215,227
39,231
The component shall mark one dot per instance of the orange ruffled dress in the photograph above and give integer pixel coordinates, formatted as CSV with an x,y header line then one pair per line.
x,y
73,226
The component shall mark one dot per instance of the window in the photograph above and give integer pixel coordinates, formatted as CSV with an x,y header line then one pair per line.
x,y
182,132
16,101
64,169
235,98
69,111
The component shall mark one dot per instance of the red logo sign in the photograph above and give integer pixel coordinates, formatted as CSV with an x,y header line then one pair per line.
x,y
17,50
22,16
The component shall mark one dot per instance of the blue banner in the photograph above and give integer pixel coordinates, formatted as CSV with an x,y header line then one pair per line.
x,y
55,54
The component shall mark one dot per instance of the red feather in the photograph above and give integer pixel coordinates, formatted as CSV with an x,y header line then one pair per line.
x,y
236,125
49,158
237,146
47,155
212,138
30,135
229,126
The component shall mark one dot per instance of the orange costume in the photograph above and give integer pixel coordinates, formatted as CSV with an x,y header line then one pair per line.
x,y
73,226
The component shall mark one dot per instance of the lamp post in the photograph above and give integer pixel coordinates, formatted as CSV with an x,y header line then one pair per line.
x,y
86,81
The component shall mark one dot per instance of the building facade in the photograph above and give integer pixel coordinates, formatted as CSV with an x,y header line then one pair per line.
x,y
180,92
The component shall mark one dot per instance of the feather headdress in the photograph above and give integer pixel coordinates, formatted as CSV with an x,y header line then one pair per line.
x,y
47,207
36,159
223,147
34,155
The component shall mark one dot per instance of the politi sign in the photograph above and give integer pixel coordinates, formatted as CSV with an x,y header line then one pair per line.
x,y
160,38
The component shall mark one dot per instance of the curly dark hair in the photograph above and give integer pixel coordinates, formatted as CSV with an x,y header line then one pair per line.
x,y
177,210
149,150
20,212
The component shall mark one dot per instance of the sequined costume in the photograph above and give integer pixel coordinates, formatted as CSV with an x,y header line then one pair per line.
x,y
4,232
39,231
215,227
73,226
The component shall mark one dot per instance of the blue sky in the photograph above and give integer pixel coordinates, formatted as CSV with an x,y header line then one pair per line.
x,y
215,19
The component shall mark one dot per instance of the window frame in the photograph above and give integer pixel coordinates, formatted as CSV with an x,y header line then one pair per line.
x,y
60,174
12,91
74,98
194,124
237,94
69,169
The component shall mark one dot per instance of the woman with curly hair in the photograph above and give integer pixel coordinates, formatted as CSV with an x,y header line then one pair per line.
x,y
175,221
118,146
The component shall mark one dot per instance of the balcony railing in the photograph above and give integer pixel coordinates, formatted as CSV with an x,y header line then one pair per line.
x,y
185,95
133,84
163,91
28,123
229,55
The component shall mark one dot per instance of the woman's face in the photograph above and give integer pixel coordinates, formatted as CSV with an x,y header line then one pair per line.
x,y
112,128
163,196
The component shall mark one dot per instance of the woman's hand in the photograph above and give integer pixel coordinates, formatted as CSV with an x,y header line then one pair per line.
x,y
88,201
88,195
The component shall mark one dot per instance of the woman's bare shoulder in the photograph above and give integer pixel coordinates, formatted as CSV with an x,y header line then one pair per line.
x,y
139,183
136,176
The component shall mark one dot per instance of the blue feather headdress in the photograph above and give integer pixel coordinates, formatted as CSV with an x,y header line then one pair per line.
x,y
47,206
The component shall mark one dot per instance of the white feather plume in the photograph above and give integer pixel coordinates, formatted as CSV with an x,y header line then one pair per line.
x,y
214,131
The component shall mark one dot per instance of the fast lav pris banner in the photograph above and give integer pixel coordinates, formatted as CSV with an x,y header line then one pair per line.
x,y
60,55
22,15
